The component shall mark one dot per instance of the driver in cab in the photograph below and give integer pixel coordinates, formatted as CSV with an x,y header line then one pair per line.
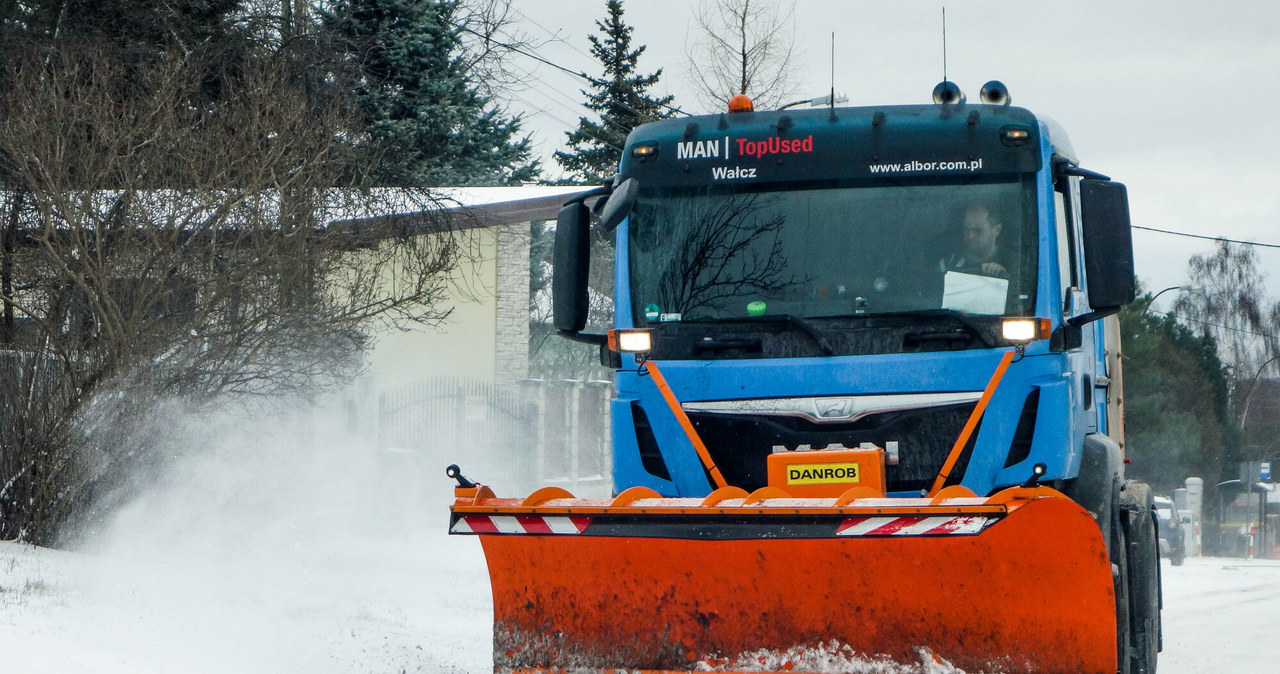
x,y
981,251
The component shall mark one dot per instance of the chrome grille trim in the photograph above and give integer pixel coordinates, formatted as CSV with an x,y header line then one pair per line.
x,y
833,409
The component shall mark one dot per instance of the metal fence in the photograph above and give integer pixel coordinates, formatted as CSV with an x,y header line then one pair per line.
x,y
570,423
537,433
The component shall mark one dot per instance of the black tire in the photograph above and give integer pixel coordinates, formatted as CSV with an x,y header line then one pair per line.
x,y
1120,578
1143,568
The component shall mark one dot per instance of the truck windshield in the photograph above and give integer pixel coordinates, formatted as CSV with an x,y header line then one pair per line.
x,y
823,250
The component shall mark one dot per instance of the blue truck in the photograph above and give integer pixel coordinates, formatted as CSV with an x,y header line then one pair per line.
x,y
936,284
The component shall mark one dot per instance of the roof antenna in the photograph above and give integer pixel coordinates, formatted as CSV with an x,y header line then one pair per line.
x,y
946,93
944,43
833,73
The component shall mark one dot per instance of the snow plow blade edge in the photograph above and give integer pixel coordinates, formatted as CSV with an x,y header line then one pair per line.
x,y
1019,582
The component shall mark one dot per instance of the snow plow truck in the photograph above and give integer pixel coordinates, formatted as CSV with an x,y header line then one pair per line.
x,y
867,407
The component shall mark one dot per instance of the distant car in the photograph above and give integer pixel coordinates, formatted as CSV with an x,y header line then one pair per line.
x,y
1173,544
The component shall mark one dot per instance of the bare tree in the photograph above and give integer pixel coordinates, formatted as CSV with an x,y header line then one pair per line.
x,y
490,37
731,250
743,47
162,244
1231,304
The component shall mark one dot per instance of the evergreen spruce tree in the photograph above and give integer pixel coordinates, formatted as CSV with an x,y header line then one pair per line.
x,y
143,28
427,121
619,96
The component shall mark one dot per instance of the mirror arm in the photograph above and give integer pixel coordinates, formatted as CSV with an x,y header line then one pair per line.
x,y
1092,316
584,337
602,191
1083,173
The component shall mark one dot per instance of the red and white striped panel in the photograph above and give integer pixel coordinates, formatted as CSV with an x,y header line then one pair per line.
x,y
962,525
519,524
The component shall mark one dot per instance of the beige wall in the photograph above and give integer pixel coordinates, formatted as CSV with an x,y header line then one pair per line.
x,y
463,345
486,338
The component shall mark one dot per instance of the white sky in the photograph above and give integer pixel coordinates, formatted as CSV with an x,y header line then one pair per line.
x,y
1177,99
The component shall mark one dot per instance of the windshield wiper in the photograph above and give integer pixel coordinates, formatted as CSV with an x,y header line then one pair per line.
x,y
970,326
960,317
797,322
747,344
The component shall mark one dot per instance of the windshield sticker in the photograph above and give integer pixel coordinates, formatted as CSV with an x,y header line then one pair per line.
x,y
669,318
651,312
969,165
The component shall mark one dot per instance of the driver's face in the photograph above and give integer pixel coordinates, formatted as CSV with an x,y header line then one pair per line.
x,y
980,231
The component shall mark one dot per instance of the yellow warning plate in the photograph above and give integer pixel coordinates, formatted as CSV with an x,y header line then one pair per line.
x,y
823,473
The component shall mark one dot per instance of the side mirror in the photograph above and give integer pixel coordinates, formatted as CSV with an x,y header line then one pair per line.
x,y
570,260
1108,245
619,204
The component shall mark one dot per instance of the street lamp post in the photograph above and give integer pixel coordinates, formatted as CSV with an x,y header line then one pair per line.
x,y
1151,301
1253,385
815,102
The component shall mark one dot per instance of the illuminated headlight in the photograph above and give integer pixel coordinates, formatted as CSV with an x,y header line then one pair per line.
x,y
1023,330
630,341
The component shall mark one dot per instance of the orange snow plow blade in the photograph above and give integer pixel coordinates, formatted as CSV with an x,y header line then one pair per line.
x,y
1016,582
1019,582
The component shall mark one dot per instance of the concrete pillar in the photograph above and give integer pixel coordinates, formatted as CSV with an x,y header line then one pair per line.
x,y
512,357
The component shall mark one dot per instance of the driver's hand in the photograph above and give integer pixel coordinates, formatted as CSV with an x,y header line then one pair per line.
x,y
993,269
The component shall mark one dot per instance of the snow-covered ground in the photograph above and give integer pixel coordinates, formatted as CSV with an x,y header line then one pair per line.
x,y
415,604
1220,616
266,559
359,606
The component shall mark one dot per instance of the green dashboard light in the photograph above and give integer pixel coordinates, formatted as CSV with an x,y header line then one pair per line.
x,y
756,308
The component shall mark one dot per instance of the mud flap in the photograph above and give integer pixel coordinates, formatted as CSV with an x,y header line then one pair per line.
x,y
660,584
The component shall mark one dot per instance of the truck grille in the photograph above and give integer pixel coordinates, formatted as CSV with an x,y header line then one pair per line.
x,y
740,444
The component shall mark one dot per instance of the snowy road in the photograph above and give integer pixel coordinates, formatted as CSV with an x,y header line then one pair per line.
x,y
261,559
416,603
1220,616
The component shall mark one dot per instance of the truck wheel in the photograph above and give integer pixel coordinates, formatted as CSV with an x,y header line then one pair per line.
x,y
1120,577
1143,557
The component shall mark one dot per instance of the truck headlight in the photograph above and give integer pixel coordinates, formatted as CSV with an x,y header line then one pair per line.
x,y
630,341
1023,330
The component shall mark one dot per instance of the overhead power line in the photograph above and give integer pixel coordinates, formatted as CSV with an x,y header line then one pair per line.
x,y
576,73
1182,317
1209,238
555,36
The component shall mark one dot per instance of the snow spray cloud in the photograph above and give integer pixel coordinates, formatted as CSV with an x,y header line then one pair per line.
x,y
293,543
303,543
